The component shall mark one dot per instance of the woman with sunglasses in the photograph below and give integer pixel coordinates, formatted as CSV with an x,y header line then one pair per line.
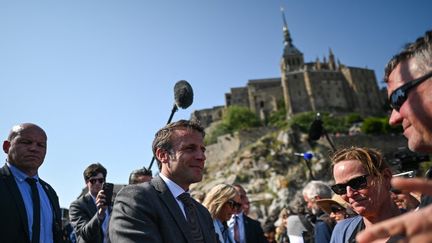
x,y
336,208
362,180
222,201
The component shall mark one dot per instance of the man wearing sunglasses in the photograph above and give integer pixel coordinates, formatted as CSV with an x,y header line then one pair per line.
x,y
409,83
89,214
363,180
243,228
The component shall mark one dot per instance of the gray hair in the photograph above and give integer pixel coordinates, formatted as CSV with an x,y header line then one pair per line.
x,y
420,50
317,188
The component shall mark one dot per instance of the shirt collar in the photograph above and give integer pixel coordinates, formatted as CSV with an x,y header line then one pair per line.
x,y
19,174
175,189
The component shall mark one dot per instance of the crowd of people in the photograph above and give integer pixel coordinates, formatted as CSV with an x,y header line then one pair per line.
x,y
364,204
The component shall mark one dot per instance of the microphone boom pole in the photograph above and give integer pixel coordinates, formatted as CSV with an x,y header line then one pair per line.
x,y
183,96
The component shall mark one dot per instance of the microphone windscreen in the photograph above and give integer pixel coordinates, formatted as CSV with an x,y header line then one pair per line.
x,y
183,94
315,130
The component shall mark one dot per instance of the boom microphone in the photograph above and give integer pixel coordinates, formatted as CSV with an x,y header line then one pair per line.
x,y
183,97
183,94
316,128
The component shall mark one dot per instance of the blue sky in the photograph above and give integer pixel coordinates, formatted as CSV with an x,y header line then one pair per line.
x,y
98,76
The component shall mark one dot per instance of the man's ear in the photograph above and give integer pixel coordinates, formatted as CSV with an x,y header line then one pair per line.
x,y
6,146
162,155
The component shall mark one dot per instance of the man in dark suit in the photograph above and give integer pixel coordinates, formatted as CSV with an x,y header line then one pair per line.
x,y
89,214
155,211
21,190
243,228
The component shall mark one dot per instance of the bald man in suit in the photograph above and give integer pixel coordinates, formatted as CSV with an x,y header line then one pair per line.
x,y
26,148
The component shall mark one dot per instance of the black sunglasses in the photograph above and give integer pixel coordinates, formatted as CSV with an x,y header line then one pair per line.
x,y
400,95
100,180
336,209
356,183
234,204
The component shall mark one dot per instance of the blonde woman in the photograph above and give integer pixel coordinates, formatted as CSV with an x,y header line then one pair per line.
x,y
222,201
281,229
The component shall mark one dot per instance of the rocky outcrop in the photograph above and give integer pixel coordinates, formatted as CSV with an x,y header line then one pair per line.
x,y
263,161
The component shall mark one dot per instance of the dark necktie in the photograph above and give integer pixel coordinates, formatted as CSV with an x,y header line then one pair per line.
x,y
192,217
36,209
236,229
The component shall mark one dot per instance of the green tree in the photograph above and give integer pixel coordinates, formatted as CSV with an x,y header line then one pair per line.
x,y
235,118
238,118
373,125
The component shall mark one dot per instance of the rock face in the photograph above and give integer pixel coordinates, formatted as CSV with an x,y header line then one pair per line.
x,y
263,161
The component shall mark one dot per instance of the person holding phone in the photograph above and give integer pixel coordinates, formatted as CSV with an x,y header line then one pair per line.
x,y
89,214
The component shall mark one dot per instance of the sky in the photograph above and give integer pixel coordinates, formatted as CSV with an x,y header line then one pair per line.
x,y
98,76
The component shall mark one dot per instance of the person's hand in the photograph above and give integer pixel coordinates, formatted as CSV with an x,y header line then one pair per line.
x,y
415,226
101,205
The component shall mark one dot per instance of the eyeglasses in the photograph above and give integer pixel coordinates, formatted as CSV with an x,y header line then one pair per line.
x,y
356,183
100,180
400,95
336,209
233,204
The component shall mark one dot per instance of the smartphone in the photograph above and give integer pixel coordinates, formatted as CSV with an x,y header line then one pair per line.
x,y
108,191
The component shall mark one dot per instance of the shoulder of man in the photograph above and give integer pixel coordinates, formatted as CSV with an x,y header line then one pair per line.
x,y
4,171
251,221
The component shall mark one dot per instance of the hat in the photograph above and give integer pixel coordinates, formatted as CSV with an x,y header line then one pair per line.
x,y
325,204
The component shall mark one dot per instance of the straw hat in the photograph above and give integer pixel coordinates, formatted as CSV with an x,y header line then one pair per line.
x,y
325,204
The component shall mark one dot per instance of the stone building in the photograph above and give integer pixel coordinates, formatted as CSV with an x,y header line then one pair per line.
x,y
326,86
320,86
207,116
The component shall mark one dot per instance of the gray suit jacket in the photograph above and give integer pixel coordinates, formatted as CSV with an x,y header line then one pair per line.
x,y
148,212
82,214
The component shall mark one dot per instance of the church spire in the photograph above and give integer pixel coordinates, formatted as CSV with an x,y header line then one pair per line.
x,y
287,36
292,57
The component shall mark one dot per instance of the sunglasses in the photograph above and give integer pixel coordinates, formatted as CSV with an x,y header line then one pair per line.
x,y
233,204
100,180
356,183
336,209
400,95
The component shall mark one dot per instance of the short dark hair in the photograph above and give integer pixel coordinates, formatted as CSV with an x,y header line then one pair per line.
x,y
162,138
93,170
140,172
421,50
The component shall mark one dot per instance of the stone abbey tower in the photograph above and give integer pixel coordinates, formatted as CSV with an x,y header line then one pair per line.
x,y
326,86
318,86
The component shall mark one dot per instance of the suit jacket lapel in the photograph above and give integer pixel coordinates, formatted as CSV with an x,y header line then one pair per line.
x,y
90,204
247,227
16,194
55,208
168,199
